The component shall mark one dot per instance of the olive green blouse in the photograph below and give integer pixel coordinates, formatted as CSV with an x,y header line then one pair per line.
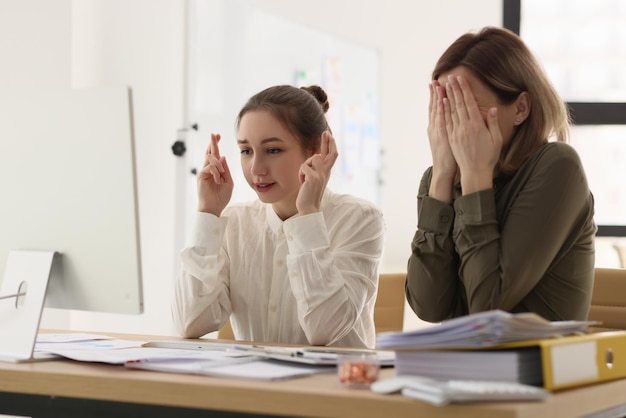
x,y
527,245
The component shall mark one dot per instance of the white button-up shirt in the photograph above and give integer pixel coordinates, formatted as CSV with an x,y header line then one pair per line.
x,y
308,280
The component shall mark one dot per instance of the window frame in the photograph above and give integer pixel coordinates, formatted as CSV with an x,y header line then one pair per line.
x,y
582,113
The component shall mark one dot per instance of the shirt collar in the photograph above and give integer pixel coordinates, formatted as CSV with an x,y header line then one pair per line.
x,y
275,223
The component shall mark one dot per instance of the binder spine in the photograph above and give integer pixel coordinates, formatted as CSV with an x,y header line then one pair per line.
x,y
570,364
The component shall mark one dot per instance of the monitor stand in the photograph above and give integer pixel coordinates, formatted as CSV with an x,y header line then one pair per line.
x,y
22,295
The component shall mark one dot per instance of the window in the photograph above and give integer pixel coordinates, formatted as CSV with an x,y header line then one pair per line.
x,y
581,45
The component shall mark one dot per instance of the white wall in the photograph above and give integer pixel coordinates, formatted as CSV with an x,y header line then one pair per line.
x,y
35,44
35,39
141,43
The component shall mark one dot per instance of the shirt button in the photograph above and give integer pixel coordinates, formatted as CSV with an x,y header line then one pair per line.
x,y
273,308
280,263
216,231
211,266
460,212
289,237
444,219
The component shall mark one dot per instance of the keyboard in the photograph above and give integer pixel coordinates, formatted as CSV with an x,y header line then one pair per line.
x,y
444,392
440,392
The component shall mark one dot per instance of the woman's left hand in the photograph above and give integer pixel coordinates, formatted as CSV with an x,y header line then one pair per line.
x,y
314,176
475,142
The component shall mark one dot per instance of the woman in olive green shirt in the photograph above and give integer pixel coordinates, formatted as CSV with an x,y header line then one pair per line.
x,y
505,216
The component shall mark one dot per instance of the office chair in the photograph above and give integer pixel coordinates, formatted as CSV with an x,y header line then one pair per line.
x,y
621,253
608,300
389,307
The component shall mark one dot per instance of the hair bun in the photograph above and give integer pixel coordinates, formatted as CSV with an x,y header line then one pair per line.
x,y
319,94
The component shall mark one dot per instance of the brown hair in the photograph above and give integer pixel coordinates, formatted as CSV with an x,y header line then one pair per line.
x,y
501,60
302,110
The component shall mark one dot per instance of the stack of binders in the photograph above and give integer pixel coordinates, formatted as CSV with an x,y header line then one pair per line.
x,y
554,355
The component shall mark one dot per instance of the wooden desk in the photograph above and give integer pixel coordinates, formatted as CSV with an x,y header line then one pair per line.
x,y
63,388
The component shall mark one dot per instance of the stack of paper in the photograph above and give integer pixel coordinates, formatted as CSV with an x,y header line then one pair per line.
x,y
521,365
482,329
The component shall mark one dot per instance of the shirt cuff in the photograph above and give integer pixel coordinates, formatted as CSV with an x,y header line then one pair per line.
x,y
306,233
435,215
475,208
209,233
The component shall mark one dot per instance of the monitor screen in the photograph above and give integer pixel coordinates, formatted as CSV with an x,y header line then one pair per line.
x,y
68,184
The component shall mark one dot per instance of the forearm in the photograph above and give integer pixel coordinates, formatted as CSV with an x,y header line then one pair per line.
x,y
432,285
333,280
330,301
441,186
196,307
477,240
200,303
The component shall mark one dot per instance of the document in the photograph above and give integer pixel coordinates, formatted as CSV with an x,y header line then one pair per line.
x,y
482,329
247,361
135,354
242,368
108,344
69,337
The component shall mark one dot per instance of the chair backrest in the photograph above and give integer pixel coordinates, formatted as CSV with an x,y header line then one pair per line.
x,y
621,253
388,309
226,333
608,300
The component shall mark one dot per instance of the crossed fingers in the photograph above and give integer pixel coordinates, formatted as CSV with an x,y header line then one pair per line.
x,y
213,160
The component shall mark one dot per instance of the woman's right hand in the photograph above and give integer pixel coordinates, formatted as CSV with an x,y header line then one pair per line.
x,y
444,164
215,184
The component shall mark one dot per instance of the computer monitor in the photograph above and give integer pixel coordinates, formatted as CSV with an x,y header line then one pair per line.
x,y
68,184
